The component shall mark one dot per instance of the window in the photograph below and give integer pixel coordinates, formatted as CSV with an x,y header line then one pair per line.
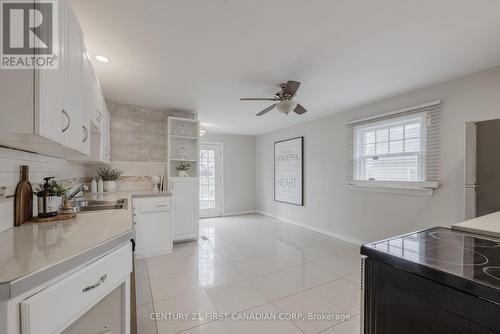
x,y
391,150
395,150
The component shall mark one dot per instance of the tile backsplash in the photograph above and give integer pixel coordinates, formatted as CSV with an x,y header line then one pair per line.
x,y
40,166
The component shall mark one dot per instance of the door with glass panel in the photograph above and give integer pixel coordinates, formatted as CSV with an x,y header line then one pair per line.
x,y
210,180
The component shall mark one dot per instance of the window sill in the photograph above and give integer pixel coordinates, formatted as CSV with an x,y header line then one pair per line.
x,y
424,189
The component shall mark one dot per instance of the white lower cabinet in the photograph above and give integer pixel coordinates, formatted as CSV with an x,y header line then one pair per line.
x,y
185,207
153,226
58,306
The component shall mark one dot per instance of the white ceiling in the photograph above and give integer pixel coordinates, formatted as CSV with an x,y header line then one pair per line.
x,y
203,55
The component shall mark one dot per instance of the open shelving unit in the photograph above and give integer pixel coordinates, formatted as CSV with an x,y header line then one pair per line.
x,y
183,145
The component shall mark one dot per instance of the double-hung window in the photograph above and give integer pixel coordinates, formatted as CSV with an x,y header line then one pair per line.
x,y
396,149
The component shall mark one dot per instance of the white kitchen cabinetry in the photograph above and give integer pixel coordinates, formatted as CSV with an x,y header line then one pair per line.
x,y
50,111
31,106
153,226
75,85
44,312
55,305
185,209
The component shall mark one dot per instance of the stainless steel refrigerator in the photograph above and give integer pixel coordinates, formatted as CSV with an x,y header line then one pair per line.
x,y
482,168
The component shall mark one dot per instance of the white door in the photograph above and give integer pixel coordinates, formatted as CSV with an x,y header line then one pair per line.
x,y
210,180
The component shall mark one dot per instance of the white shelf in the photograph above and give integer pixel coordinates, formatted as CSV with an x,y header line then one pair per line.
x,y
184,160
184,137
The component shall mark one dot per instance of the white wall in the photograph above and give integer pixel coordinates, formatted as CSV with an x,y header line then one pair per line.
x,y
238,169
366,216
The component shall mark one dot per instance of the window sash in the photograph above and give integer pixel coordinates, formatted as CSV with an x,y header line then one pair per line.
x,y
360,157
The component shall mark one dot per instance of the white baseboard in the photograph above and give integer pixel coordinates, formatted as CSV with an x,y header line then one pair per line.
x,y
152,254
238,213
314,229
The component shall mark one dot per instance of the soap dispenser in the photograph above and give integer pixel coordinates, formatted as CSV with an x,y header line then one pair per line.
x,y
48,203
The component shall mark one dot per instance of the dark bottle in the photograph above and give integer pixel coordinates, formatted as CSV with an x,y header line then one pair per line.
x,y
47,201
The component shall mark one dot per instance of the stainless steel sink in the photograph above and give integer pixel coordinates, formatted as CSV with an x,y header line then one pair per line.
x,y
96,205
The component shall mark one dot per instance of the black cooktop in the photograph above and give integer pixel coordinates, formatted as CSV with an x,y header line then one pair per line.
x,y
466,261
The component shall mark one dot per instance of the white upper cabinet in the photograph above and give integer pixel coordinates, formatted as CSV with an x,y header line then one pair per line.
x,y
73,62
56,111
48,101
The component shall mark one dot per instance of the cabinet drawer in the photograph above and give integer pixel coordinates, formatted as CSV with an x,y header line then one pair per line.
x,y
53,309
153,204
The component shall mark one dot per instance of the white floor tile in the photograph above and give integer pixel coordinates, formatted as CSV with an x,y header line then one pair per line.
x,y
192,304
343,294
237,254
143,291
284,259
355,278
310,274
144,323
276,285
307,303
351,326
250,263
341,265
235,297
266,326
326,249
212,276
168,264
214,327
174,285
204,258
253,267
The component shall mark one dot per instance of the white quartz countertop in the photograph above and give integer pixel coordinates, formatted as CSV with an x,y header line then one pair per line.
x,y
34,253
487,225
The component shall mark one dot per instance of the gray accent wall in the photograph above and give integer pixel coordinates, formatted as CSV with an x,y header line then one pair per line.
x,y
139,134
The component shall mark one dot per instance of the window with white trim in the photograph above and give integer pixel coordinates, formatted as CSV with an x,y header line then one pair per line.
x,y
397,149
391,150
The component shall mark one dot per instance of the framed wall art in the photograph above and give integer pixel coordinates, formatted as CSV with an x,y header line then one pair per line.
x,y
289,171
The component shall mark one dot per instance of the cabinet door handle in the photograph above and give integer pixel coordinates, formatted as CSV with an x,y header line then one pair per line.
x,y
161,205
85,133
95,285
65,128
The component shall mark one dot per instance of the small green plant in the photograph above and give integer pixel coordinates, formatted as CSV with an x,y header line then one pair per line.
x,y
55,189
109,174
183,167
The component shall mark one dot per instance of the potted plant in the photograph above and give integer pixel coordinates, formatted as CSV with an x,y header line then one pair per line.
x,y
182,169
53,193
109,176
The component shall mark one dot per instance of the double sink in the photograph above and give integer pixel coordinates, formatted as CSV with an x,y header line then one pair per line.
x,y
83,205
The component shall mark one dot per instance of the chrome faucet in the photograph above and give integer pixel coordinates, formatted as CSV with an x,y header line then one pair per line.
x,y
75,192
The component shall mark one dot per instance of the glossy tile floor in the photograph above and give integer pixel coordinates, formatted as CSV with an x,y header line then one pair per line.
x,y
251,267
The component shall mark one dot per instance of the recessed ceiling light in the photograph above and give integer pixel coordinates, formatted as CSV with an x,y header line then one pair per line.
x,y
102,59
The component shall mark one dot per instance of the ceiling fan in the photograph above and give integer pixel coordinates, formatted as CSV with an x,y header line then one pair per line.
x,y
283,98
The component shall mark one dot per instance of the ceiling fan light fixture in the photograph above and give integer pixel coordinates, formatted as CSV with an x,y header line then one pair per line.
x,y
286,106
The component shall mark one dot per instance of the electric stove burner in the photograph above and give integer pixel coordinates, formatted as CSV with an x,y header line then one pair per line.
x,y
464,239
493,272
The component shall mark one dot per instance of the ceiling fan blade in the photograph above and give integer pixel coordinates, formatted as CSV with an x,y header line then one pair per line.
x,y
257,99
291,88
271,107
299,109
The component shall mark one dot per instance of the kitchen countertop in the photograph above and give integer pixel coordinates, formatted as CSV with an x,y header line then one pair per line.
x,y
33,254
486,225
